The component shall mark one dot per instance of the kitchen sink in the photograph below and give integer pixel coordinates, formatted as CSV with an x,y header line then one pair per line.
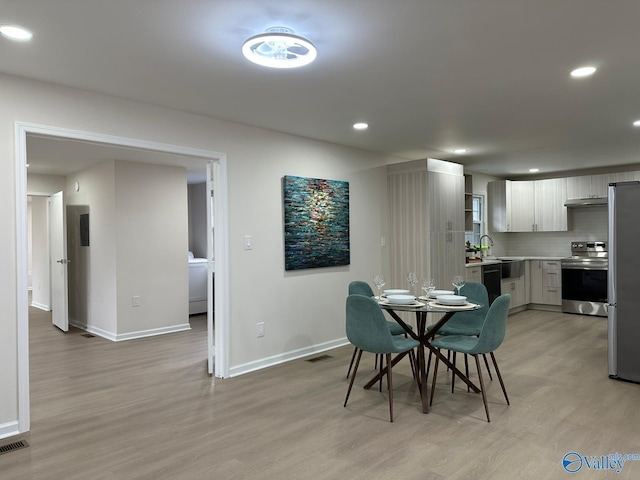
x,y
512,268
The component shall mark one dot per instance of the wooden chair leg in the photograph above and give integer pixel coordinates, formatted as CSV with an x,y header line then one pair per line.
x,y
381,370
495,365
435,375
486,362
453,372
353,376
466,369
484,393
413,363
353,357
389,386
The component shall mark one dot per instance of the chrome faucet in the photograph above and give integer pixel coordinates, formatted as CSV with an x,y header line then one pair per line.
x,y
486,252
490,239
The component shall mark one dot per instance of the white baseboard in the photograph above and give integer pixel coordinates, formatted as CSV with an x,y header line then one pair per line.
x,y
9,429
41,306
285,357
152,332
114,337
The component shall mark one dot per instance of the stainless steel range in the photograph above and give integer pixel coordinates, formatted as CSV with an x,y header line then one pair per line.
x,y
584,278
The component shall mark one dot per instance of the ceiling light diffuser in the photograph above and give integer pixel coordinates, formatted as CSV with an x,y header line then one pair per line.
x,y
534,170
14,32
279,47
361,126
460,151
583,72
636,123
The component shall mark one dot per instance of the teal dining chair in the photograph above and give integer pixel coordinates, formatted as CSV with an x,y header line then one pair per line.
x,y
491,337
367,330
358,287
468,323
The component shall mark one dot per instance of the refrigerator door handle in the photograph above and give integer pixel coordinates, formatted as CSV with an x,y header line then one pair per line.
x,y
612,341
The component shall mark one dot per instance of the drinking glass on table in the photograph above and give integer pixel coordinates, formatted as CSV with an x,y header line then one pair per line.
x,y
428,286
458,282
379,282
412,278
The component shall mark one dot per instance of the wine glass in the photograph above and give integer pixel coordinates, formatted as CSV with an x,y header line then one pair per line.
x,y
458,282
428,286
412,279
379,282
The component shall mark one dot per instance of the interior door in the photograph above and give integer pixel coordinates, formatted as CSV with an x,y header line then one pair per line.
x,y
211,351
59,261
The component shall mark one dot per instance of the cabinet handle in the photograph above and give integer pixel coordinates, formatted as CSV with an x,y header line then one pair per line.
x,y
552,273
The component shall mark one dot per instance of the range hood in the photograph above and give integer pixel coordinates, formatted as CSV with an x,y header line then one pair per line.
x,y
586,202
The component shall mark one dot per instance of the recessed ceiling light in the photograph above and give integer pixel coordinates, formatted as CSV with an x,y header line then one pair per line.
x,y
636,123
361,126
534,170
14,32
460,151
279,47
583,72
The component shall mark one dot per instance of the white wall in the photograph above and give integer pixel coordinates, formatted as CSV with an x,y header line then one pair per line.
x,y
300,309
97,191
151,246
40,293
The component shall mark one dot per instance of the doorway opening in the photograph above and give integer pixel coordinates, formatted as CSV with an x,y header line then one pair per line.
x,y
216,179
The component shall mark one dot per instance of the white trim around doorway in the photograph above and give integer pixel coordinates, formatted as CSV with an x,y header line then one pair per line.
x,y
217,161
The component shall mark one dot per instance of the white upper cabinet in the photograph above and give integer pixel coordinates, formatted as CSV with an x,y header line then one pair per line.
x,y
522,207
596,186
550,212
528,206
499,199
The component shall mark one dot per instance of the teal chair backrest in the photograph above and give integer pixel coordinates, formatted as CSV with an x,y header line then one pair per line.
x,y
366,326
475,293
359,287
495,325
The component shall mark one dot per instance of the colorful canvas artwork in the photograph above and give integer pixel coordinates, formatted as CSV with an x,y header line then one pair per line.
x,y
316,223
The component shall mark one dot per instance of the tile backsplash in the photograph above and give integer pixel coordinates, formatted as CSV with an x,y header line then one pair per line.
x,y
584,224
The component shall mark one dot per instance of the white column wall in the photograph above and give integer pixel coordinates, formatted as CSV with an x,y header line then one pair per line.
x,y
151,248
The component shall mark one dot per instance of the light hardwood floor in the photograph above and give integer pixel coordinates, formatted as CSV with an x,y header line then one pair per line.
x,y
146,409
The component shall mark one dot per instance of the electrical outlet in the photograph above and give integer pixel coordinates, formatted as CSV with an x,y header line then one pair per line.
x,y
260,329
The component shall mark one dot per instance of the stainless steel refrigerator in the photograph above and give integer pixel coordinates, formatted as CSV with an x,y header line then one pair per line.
x,y
624,281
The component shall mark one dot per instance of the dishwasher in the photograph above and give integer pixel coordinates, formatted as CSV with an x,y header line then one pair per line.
x,y
492,280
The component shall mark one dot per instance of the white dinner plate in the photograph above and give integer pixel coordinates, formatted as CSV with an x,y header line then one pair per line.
x,y
396,292
401,299
451,300
435,293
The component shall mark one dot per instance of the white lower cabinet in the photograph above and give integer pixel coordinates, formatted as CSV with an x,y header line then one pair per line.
x,y
516,287
545,282
473,274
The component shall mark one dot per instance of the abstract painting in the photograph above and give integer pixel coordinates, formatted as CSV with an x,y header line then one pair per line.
x,y
316,223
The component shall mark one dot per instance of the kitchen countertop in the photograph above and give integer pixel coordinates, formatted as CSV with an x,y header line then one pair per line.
x,y
493,261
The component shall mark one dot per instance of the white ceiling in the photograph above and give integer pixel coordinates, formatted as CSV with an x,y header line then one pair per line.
x,y
429,76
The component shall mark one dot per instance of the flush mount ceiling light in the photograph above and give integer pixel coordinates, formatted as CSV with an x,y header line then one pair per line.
x,y
14,32
460,151
279,47
636,123
583,72
360,126
534,170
